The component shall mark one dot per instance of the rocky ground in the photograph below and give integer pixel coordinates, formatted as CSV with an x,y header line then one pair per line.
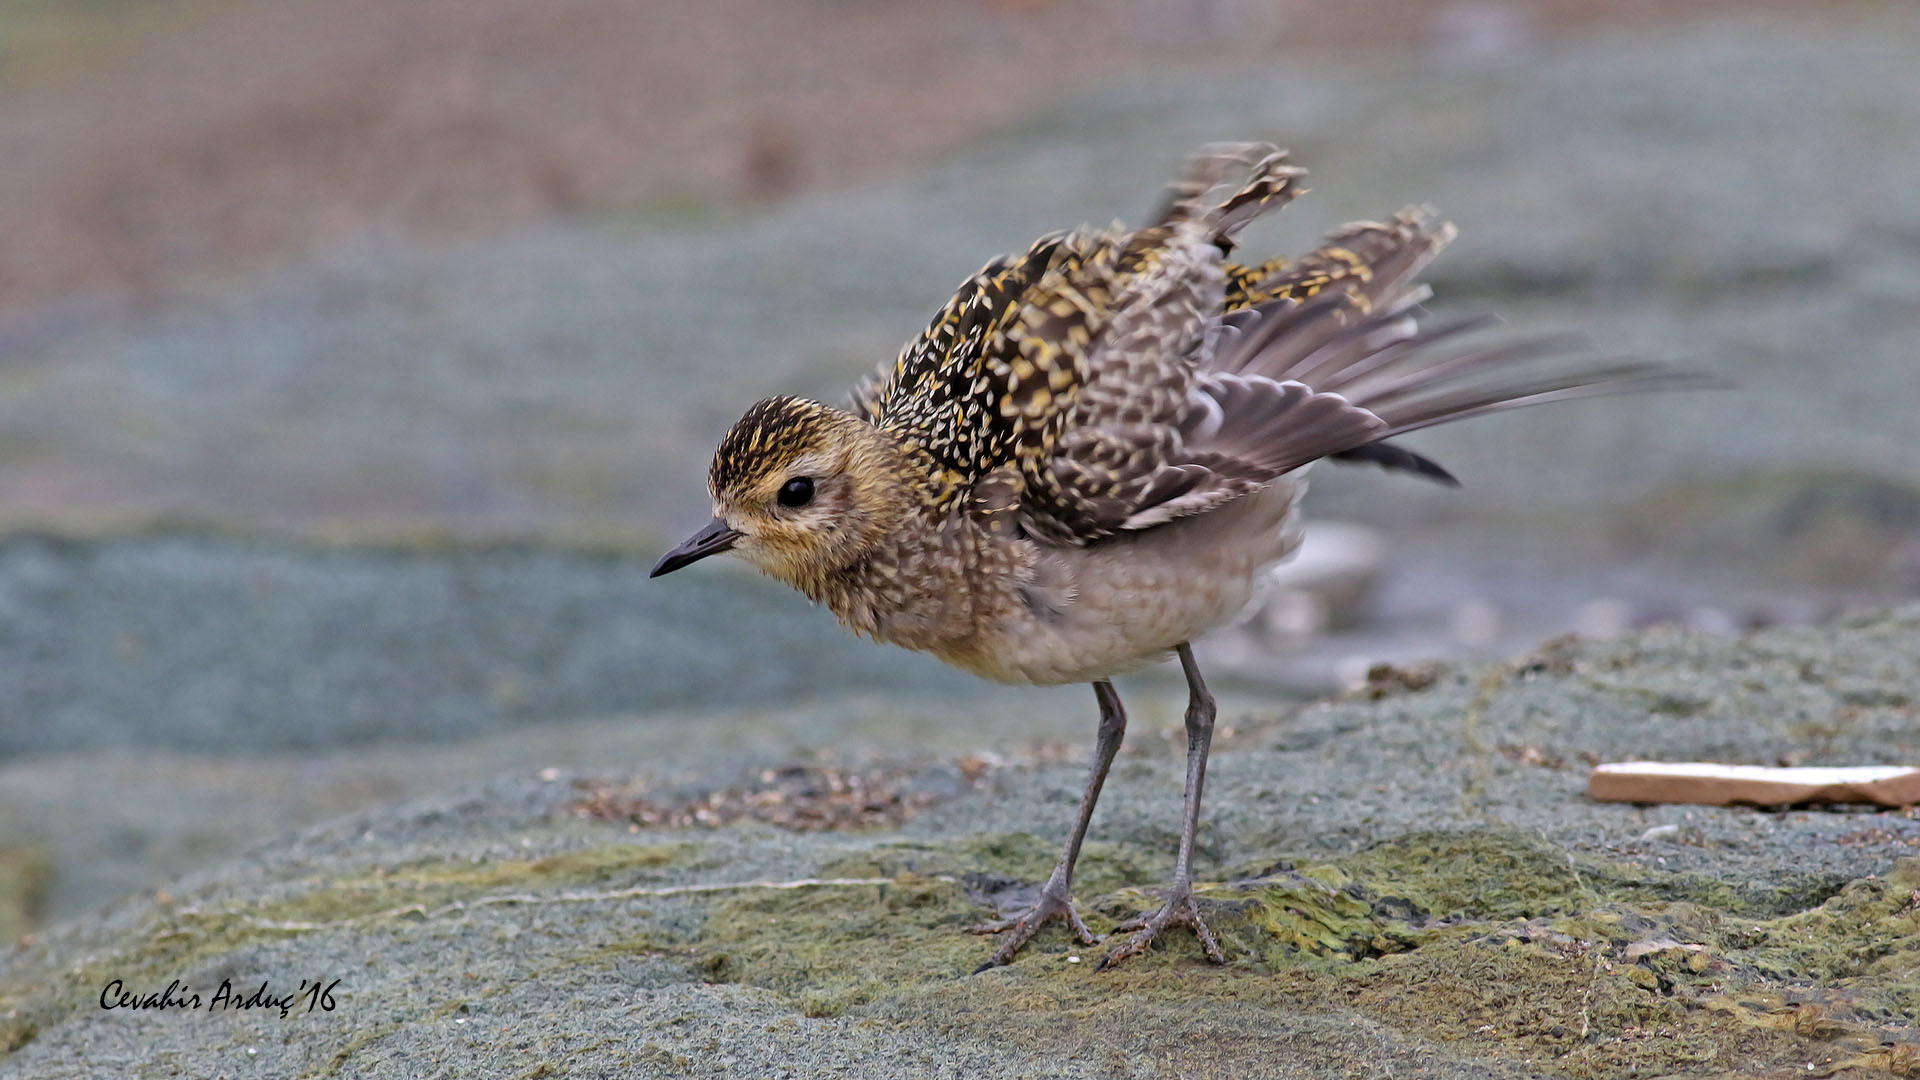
x,y
1408,880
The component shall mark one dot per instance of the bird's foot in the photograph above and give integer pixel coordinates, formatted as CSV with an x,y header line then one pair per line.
x,y
1054,904
1179,910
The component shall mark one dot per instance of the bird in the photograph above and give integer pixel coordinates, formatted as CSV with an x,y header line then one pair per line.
x,y
1097,449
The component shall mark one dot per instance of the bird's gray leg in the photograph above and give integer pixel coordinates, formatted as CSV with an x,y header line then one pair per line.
x,y
1056,896
1180,910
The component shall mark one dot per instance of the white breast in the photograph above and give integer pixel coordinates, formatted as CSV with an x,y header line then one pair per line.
x,y
1125,602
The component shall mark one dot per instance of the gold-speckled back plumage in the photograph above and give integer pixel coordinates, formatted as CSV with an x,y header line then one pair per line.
x,y
983,386
1070,370
1023,365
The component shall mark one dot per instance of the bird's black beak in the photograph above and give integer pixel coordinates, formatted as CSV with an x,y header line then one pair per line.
x,y
717,537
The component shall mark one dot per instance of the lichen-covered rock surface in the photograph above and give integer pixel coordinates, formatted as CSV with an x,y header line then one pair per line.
x,y
1406,879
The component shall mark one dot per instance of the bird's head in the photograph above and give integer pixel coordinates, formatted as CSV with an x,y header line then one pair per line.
x,y
800,490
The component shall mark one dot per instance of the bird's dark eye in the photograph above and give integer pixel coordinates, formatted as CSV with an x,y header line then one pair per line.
x,y
797,491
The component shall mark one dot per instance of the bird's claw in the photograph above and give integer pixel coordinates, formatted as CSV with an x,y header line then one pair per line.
x,y
1179,910
1052,906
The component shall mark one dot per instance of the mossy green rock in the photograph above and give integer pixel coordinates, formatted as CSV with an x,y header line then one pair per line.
x,y
1404,880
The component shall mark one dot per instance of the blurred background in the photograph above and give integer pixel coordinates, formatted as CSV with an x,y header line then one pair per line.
x,y
356,358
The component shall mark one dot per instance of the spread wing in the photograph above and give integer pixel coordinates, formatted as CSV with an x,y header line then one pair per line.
x,y
1108,381
1024,354
1341,361
1300,375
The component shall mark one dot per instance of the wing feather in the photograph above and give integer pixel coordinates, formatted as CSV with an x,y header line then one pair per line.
x,y
1337,372
1109,380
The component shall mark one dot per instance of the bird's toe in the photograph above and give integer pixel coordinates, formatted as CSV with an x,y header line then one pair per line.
x,y
1179,910
1021,929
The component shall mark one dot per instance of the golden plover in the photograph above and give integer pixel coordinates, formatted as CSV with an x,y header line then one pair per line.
x,y
1097,448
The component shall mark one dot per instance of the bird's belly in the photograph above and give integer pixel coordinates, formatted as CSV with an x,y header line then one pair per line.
x,y
1127,602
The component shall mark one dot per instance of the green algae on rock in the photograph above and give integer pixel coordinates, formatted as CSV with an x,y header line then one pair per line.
x,y
1489,938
